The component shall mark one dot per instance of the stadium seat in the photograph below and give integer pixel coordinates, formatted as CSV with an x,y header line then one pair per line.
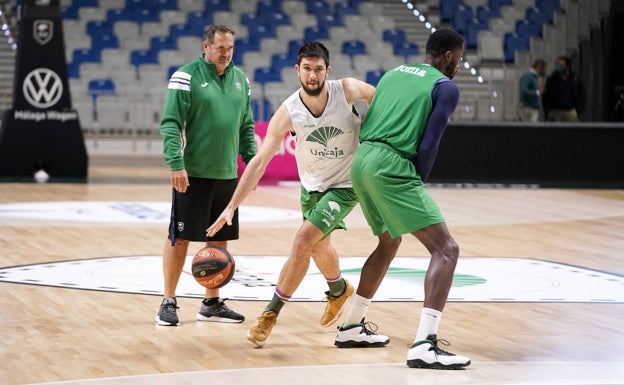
x,y
197,20
158,43
527,28
537,16
407,49
485,13
315,33
263,75
512,43
373,77
394,36
327,21
462,15
353,48
549,7
497,4
282,60
141,57
318,7
217,5
447,9
472,30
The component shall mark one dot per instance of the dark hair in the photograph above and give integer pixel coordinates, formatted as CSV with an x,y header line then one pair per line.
x,y
539,63
313,49
442,40
566,59
211,30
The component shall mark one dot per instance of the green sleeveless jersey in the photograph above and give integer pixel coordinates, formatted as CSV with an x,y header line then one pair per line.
x,y
401,106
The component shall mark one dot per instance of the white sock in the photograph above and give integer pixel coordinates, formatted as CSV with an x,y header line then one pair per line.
x,y
429,322
359,307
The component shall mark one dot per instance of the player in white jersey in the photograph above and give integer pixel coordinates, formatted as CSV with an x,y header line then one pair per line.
x,y
323,120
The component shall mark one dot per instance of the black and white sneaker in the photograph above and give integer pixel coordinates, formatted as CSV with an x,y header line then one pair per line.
x,y
427,355
360,335
167,315
218,312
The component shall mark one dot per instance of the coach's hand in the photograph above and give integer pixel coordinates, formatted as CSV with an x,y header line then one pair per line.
x,y
224,218
179,180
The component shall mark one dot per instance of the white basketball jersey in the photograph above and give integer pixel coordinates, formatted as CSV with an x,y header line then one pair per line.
x,y
325,144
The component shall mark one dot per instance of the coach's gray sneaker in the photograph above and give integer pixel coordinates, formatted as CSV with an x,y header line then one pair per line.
x,y
167,315
218,312
427,355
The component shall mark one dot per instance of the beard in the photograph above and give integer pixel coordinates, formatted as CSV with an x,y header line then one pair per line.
x,y
451,70
313,92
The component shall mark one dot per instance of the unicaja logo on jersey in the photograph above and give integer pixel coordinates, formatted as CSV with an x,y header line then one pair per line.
x,y
324,136
42,88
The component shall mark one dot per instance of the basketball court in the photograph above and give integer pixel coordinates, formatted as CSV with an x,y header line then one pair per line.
x,y
538,295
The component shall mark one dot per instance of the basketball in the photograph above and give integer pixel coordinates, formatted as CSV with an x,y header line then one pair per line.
x,y
213,267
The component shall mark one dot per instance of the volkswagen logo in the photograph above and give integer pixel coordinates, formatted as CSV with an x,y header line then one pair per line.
x,y
42,88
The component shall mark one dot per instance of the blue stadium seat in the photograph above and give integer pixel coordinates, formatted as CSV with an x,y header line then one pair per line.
x,y
461,17
158,43
318,7
241,46
105,40
259,32
99,27
165,4
101,87
407,49
281,60
177,30
86,55
513,42
267,7
485,13
70,11
197,20
537,16
497,4
263,75
326,21
276,19
73,70
447,9
394,36
526,28
313,33
549,7
472,31
343,9
172,69
217,5
373,77
353,48
118,14
293,47
142,56
144,15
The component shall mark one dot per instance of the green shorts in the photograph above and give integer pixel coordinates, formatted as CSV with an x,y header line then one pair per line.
x,y
328,209
392,195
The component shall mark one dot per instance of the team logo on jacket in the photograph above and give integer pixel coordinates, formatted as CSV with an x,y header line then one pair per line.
x,y
326,136
180,226
238,86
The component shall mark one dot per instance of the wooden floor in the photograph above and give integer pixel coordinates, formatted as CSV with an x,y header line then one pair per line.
x,y
92,337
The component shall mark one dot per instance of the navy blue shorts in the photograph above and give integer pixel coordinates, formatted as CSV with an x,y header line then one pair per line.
x,y
195,210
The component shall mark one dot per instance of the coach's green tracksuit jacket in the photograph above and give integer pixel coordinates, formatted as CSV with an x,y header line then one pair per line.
x,y
207,121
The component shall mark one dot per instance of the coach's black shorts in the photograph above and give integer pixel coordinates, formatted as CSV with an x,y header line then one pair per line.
x,y
195,210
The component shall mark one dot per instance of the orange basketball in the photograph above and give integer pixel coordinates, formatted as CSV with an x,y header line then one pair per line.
x,y
213,267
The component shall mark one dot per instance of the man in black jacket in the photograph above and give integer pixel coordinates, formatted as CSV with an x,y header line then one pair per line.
x,y
564,95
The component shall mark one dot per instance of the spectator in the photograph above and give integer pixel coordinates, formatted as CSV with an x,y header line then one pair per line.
x,y
530,91
564,95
